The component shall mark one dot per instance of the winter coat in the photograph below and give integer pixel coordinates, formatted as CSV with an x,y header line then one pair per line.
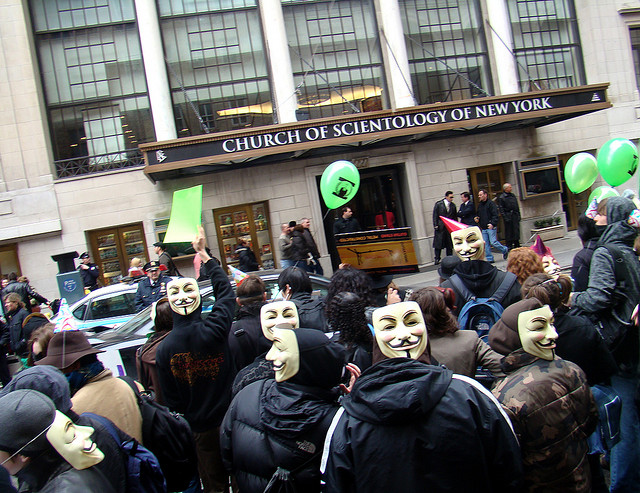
x,y
579,342
310,311
286,246
311,243
90,276
112,398
149,292
246,340
193,361
283,424
300,247
488,214
509,208
247,259
466,213
166,260
482,279
553,412
603,286
409,426
146,365
343,225
25,291
16,333
581,265
463,351
54,475
441,233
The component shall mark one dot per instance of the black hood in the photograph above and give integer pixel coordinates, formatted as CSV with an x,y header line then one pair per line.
x,y
476,274
194,317
618,229
397,390
321,360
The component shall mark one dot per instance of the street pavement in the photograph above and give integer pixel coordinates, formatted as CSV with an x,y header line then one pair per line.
x,y
563,250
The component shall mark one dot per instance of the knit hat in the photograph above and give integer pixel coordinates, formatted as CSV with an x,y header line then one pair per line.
x,y
66,347
25,417
45,379
503,336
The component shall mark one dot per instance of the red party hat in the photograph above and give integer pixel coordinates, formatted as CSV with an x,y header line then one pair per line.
x,y
453,225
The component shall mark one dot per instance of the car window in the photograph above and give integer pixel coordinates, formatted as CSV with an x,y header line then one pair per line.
x,y
79,312
112,306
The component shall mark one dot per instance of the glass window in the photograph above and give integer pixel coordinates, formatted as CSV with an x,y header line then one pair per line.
x,y
79,312
217,65
447,49
335,56
546,44
94,83
635,50
113,306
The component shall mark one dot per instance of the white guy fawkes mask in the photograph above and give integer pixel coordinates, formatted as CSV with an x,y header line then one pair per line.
x,y
284,353
551,266
73,442
276,313
183,295
400,330
468,243
537,333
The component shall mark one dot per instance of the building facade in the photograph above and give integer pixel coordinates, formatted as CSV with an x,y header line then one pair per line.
x,y
109,106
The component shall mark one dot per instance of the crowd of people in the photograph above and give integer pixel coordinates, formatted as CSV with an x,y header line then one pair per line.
x,y
492,380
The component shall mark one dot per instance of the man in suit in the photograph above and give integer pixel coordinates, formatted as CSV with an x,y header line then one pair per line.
x,y
467,211
441,237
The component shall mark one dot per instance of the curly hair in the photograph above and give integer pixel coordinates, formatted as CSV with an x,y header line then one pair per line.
x,y
352,280
437,316
547,290
523,262
346,314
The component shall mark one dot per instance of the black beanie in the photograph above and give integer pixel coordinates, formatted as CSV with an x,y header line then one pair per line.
x,y
25,417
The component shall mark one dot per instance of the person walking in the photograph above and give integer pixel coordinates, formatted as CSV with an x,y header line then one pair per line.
x,y
441,237
285,242
510,211
487,219
313,248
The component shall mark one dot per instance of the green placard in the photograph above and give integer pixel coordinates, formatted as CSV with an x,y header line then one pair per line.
x,y
186,215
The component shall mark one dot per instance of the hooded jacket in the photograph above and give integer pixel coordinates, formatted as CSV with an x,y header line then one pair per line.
x,y
15,320
409,426
246,340
603,285
581,265
283,424
193,361
482,279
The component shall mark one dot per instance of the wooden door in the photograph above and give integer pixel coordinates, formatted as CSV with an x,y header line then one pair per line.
x,y
113,248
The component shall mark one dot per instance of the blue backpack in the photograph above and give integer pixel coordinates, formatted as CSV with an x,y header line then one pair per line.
x,y
480,314
144,474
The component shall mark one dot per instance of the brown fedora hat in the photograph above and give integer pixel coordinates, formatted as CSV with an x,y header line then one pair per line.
x,y
66,347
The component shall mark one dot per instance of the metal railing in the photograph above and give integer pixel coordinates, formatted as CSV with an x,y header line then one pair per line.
x,y
98,163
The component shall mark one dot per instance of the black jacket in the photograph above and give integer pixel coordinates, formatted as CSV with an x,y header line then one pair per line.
x,y
581,265
342,225
149,292
247,259
482,279
310,311
488,214
441,233
300,249
580,343
193,361
508,205
166,260
409,426
16,333
466,213
90,276
25,291
311,243
246,340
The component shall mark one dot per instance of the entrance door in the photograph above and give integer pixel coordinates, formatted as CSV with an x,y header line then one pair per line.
x,y
9,260
377,204
490,178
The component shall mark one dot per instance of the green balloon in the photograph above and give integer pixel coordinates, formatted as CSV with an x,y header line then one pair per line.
x,y
580,172
602,193
617,161
339,183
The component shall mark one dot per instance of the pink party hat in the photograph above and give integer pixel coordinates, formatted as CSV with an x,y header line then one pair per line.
x,y
540,248
238,275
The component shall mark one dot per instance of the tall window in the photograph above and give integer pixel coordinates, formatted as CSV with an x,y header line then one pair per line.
x,y
94,84
217,65
335,55
546,44
447,49
635,50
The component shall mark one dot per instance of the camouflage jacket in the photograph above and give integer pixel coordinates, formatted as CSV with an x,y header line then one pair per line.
x,y
553,412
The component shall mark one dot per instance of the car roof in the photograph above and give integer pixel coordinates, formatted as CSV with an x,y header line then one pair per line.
x,y
111,289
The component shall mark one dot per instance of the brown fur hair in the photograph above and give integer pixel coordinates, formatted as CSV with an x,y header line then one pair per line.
x,y
524,262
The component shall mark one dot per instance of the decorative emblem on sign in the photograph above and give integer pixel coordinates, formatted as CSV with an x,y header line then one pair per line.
x,y
160,156
69,285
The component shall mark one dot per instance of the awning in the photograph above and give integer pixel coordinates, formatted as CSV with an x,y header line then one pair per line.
x,y
369,130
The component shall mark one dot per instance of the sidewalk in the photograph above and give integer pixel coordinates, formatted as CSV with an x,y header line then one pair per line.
x,y
563,250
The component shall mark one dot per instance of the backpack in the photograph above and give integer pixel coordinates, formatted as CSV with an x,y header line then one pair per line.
x,y
144,474
480,314
168,435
